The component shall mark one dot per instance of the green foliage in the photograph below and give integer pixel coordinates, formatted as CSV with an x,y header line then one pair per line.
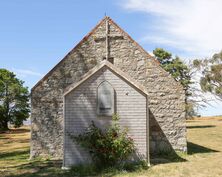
x,y
107,147
92,170
14,100
175,66
211,80
163,56
180,71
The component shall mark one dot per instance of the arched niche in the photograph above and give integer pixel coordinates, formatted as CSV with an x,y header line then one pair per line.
x,y
105,99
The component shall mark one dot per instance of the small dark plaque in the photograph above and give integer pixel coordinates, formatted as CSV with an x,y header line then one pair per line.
x,y
105,99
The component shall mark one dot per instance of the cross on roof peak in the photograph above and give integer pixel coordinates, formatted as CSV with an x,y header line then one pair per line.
x,y
107,17
107,38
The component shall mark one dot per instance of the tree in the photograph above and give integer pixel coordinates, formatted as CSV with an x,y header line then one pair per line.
x,y
175,66
179,71
14,100
211,80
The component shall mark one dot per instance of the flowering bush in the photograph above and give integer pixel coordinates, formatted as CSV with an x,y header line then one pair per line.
x,y
107,147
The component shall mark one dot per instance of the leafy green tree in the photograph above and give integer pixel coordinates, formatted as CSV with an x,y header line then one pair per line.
x,y
211,80
180,72
175,66
14,100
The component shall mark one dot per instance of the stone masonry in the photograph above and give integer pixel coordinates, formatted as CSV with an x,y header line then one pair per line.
x,y
166,97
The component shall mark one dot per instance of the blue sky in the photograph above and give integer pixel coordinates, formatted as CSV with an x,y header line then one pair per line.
x,y
35,35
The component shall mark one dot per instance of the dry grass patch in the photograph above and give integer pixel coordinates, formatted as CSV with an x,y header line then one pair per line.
x,y
204,158
14,149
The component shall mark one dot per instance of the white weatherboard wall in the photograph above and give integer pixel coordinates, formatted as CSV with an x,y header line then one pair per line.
x,y
80,110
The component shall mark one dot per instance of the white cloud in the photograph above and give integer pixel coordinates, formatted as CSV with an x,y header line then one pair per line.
x,y
25,73
193,26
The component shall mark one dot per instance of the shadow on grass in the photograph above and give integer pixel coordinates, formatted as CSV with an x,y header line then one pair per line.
x,y
23,141
3,138
168,157
15,131
201,126
162,158
195,148
13,154
52,168
36,169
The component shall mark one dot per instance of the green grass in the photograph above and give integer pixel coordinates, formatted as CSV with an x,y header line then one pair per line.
x,y
14,161
204,157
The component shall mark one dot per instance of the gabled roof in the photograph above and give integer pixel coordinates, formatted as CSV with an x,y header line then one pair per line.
x,y
85,38
114,69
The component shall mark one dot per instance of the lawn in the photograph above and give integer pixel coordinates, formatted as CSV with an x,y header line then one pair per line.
x,y
204,158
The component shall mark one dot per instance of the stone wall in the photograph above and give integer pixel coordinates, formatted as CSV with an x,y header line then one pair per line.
x,y
166,96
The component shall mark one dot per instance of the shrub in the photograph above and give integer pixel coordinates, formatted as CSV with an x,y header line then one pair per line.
x,y
107,147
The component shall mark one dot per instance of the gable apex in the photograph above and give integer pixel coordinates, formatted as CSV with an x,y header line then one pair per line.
x,y
106,18
114,69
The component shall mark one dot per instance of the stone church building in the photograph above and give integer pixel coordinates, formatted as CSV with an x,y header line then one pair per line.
x,y
107,73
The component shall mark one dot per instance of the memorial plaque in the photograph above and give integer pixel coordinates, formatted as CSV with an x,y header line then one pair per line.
x,y
105,99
